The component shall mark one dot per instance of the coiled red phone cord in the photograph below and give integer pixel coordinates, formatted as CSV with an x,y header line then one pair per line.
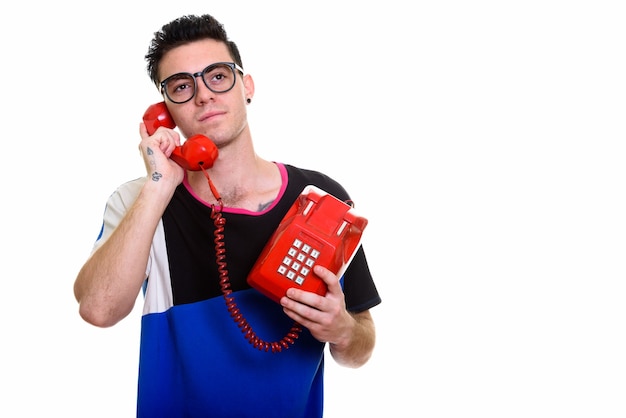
x,y
220,256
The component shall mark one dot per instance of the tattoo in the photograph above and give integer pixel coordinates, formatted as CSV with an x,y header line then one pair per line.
x,y
264,206
156,176
149,152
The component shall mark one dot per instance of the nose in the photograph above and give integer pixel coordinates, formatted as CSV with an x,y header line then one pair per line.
x,y
203,93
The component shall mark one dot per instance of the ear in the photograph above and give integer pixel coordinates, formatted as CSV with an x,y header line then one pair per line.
x,y
248,85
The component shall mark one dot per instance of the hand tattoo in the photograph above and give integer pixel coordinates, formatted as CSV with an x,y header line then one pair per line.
x,y
156,176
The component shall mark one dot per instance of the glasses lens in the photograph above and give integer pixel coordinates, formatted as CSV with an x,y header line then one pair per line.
x,y
219,78
180,87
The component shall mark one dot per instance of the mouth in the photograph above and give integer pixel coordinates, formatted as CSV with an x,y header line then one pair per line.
x,y
210,115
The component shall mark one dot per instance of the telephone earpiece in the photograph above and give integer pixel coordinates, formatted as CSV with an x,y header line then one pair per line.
x,y
196,153
157,115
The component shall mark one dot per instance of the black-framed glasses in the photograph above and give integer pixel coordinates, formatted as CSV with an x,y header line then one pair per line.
x,y
219,77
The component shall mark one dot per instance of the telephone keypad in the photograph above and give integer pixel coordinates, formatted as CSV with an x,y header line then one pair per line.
x,y
298,262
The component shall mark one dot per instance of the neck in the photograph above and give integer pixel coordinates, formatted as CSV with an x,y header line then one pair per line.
x,y
250,185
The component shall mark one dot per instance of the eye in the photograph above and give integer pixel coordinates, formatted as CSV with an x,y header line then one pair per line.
x,y
179,84
180,87
218,75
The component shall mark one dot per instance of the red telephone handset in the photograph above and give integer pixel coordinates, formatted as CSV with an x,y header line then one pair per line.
x,y
196,153
317,229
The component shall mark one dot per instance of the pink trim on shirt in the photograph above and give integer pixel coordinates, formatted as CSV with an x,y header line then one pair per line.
x,y
283,187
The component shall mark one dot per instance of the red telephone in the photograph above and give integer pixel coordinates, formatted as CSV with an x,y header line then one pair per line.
x,y
196,153
317,229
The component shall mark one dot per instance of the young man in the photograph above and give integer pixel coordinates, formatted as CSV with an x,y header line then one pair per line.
x,y
189,238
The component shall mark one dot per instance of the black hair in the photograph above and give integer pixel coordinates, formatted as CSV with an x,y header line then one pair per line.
x,y
184,30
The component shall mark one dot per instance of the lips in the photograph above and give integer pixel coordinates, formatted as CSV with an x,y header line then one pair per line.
x,y
210,115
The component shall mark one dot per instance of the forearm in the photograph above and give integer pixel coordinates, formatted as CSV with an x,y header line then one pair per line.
x,y
355,350
108,284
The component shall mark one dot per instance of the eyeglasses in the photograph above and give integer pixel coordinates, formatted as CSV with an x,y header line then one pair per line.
x,y
219,78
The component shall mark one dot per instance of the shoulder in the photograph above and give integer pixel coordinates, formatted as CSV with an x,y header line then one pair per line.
x,y
127,192
132,186
299,178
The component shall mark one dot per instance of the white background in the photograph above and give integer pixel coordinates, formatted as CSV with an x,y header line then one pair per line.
x,y
484,141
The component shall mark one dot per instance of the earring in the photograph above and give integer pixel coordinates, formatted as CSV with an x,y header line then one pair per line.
x,y
248,100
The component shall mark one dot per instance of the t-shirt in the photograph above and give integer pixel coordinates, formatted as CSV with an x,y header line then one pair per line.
x,y
194,359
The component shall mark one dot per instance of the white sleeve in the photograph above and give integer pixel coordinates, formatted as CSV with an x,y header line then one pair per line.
x,y
116,207
158,290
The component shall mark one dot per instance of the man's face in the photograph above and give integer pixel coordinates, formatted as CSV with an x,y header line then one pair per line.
x,y
220,116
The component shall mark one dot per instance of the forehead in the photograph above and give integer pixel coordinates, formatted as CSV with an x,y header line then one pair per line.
x,y
193,57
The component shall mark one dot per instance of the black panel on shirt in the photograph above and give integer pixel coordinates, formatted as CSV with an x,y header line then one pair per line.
x,y
189,234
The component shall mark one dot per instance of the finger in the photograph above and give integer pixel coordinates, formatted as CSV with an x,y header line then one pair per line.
x,y
304,314
143,130
296,298
331,280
